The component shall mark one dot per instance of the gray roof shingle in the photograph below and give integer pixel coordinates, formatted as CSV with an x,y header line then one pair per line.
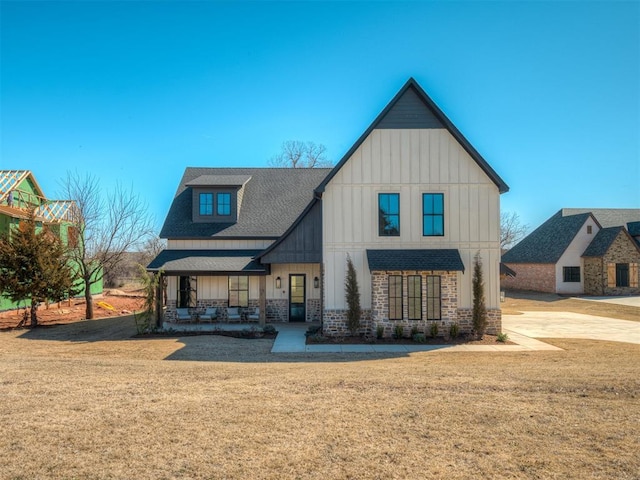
x,y
207,261
547,243
602,241
272,200
424,260
608,217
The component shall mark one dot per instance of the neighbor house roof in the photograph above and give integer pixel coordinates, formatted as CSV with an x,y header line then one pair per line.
x,y
431,259
269,202
547,243
175,262
603,240
608,217
439,118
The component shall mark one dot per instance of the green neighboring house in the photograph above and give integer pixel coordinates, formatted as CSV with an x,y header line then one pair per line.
x,y
19,193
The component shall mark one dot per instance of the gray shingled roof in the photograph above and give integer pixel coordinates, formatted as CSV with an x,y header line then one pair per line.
x,y
601,242
608,217
207,261
547,243
272,200
432,259
633,228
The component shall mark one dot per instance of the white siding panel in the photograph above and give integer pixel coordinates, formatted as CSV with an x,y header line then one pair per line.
x,y
435,163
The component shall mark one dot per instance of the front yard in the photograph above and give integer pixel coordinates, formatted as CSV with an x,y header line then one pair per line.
x,y
87,401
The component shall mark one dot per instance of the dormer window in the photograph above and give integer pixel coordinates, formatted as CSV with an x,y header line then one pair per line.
x,y
206,204
217,198
223,201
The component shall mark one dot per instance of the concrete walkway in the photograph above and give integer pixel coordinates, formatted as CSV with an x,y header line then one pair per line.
x,y
571,325
291,339
631,301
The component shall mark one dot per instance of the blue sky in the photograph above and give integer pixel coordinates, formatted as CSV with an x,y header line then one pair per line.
x,y
547,92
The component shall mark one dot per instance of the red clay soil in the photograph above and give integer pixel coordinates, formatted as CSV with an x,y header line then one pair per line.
x,y
69,312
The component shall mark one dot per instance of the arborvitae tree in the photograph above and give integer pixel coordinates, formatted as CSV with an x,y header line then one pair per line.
x,y
33,266
353,298
479,307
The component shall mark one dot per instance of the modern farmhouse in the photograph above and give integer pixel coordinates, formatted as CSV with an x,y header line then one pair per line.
x,y
411,203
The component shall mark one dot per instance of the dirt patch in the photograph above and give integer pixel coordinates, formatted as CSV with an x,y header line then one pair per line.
x,y
74,310
517,302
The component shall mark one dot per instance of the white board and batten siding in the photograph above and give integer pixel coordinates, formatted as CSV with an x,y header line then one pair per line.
x,y
410,162
572,257
217,287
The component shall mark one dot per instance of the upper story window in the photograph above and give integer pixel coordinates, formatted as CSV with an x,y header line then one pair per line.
x,y
389,214
433,214
223,206
589,229
206,204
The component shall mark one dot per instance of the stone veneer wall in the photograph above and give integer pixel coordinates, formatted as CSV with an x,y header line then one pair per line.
x,y
539,277
621,251
595,277
335,321
494,320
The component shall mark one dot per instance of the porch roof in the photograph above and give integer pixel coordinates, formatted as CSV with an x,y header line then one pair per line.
x,y
211,262
409,259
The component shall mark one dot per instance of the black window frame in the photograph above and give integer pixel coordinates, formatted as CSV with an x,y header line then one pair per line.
x,y
395,300
187,291
238,304
225,204
622,274
202,204
384,217
433,300
414,301
429,217
571,274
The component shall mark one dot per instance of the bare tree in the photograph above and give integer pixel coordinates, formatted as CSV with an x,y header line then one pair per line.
x,y
108,228
298,154
512,230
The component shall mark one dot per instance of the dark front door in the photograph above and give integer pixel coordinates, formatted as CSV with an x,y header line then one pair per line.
x,y
297,312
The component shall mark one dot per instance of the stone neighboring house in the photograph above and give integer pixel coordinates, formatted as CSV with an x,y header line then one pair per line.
x,y
411,203
579,251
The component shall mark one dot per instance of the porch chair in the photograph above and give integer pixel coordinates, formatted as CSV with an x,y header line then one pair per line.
x,y
209,315
255,316
233,314
183,315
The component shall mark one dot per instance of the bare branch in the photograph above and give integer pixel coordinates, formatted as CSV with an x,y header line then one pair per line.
x,y
511,230
297,154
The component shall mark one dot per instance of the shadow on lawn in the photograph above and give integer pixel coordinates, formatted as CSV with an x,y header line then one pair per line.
x,y
198,348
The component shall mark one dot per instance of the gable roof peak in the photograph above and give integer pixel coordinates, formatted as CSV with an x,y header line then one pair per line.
x,y
435,115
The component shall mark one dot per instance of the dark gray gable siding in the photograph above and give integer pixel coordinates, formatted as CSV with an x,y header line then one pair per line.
x,y
303,243
410,112
547,243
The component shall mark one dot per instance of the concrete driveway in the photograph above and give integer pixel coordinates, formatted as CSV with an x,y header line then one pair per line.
x,y
572,325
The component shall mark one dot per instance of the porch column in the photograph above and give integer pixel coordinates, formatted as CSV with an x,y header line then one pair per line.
x,y
159,300
263,299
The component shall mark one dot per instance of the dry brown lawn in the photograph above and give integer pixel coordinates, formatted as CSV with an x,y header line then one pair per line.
x,y
518,302
87,401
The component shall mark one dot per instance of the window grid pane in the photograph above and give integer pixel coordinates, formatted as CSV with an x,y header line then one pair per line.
x,y
224,204
206,204
414,286
395,297
238,291
433,297
432,214
571,274
622,274
389,214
